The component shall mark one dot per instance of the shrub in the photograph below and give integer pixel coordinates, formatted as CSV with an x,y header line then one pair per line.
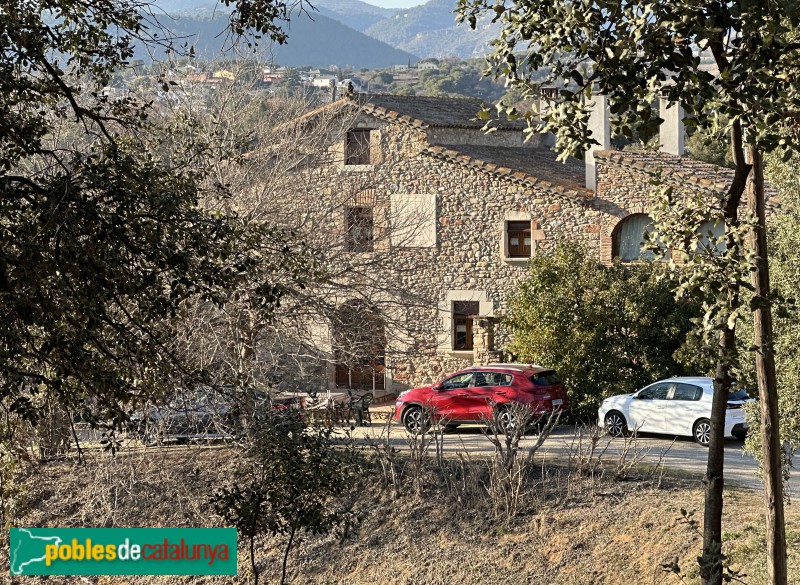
x,y
605,329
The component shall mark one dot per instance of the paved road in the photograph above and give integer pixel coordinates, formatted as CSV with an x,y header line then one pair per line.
x,y
680,453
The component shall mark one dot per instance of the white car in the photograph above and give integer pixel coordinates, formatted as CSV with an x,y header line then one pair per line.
x,y
676,406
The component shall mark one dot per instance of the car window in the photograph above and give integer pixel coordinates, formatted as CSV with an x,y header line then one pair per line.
x,y
655,392
687,392
482,379
738,395
492,379
546,378
457,381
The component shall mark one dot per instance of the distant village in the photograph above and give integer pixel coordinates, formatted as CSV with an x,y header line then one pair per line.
x,y
446,77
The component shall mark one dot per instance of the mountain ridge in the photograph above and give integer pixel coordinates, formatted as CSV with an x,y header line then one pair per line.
x,y
428,30
314,39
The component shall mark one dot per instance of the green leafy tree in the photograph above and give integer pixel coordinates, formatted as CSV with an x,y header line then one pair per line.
x,y
294,478
105,233
635,53
785,273
605,329
709,148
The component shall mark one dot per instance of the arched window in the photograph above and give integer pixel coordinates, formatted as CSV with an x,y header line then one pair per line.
x,y
711,235
628,238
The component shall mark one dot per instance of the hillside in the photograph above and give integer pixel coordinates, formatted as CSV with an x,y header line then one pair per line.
x,y
430,30
573,530
353,13
318,41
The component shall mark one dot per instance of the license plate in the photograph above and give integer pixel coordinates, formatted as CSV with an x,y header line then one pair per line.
x,y
558,402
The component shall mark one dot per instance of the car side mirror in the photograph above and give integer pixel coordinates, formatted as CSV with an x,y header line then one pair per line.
x,y
636,396
437,387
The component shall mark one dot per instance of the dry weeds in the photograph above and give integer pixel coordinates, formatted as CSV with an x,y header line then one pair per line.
x,y
572,528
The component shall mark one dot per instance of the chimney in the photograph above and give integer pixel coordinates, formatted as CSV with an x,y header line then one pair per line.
x,y
671,134
548,95
599,130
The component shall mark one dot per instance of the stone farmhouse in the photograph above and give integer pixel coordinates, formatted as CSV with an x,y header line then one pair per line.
x,y
470,209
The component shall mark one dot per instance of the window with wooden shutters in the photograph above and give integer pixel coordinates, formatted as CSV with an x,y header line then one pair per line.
x,y
519,239
463,312
360,229
357,147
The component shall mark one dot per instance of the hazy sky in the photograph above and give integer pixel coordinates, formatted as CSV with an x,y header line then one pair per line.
x,y
396,3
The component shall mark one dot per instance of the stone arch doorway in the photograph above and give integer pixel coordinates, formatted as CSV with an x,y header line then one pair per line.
x,y
359,347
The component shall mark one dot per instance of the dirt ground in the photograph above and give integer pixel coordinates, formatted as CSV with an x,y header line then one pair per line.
x,y
572,529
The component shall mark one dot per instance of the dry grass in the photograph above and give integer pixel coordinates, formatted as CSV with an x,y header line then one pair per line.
x,y
571,527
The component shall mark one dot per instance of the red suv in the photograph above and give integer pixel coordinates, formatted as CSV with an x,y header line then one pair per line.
x,y
479,394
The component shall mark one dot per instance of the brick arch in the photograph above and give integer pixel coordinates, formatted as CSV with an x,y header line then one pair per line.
x,y
607,232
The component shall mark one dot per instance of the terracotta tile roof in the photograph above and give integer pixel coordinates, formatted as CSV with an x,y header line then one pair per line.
x,y
428,111
533,167
680,168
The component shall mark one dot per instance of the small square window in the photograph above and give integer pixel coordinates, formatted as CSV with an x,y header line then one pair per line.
x,y
519,243
463,313
357,147
360,229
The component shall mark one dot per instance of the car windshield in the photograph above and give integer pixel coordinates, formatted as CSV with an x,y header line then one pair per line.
x,y
546,378
738,394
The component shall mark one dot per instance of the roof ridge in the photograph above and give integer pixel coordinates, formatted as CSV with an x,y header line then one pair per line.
x,y
431,97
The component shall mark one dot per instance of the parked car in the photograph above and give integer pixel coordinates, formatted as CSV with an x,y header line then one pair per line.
x,y
205,413
478,394
675,406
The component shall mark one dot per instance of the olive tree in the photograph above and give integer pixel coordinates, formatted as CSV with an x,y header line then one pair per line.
x,y
635,53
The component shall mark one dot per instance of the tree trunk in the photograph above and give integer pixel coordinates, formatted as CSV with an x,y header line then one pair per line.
x,y
288,549
711,560
767,382
245,364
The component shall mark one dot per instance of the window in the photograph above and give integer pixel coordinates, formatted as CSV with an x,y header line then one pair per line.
x,y
628,238
457,381
711,238
655,392
492,379
360,229
546,378
687,392
463,312
357,147
519,239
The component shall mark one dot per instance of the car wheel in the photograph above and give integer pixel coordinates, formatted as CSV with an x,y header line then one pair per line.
x,y
702,431
416,420
507,421
616,425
